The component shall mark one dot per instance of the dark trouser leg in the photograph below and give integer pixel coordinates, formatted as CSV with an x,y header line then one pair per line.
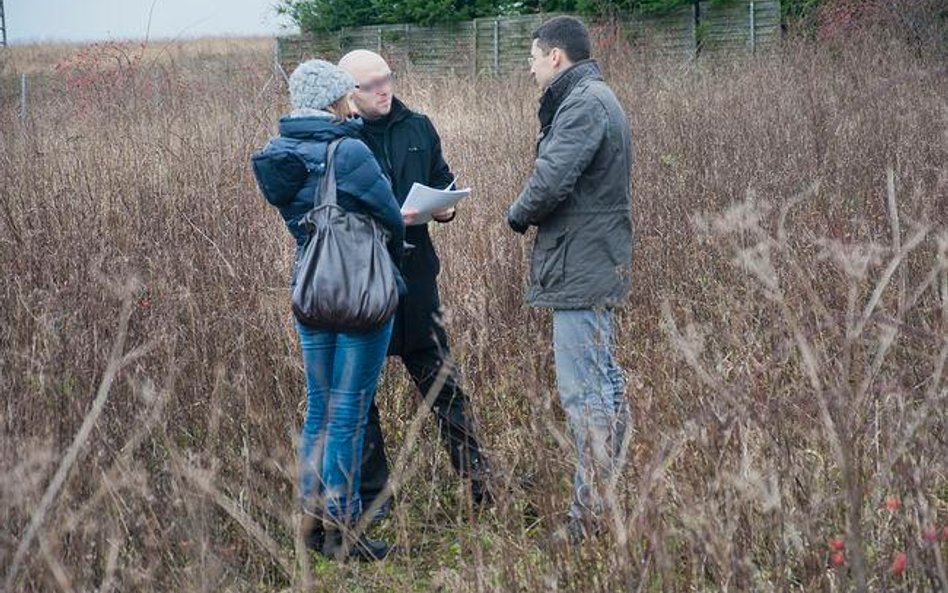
x,y
374,463
449,405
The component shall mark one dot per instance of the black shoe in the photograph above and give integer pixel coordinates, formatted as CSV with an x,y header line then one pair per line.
x,y
313,533
339,546
481,495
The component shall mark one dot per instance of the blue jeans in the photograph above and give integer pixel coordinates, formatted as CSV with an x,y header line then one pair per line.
x,y
342,372
592,393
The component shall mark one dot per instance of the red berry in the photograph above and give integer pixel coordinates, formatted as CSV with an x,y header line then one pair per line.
x,y
837,544
899,563
893,503
838,559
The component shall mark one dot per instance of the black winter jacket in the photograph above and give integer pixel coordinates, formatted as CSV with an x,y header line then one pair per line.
x,y
408,148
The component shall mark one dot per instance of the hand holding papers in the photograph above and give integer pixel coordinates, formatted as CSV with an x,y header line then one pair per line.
x,y
423,201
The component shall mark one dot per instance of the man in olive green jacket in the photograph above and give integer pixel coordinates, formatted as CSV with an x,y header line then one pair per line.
x,y
578,198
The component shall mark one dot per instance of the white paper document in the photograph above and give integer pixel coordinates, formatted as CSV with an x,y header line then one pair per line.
x,y
426,200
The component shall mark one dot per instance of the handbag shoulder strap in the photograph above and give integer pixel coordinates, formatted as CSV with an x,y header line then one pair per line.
x,y
327,187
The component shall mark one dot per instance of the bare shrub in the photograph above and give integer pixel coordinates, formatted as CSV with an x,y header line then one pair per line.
x,y
785,340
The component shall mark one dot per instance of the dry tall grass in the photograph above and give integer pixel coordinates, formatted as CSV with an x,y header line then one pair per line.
x,y
785,340
40,58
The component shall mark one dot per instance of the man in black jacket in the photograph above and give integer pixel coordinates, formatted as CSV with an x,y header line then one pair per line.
x,y
408,148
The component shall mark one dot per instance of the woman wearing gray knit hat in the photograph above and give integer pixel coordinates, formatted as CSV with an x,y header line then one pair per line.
x,y
317,86
342,367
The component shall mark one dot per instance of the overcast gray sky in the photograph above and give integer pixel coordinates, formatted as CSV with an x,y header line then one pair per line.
x,y
98,20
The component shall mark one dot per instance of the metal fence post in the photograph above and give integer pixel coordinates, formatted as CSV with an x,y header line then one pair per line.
x,y
380,40
24,111
3,26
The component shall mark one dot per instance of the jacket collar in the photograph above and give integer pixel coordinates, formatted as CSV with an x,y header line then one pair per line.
x,y
317,127
563,85
399,112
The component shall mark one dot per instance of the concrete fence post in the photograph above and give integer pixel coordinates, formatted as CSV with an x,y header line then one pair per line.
x,y
474,58
277,64
496,47
695,30
753,29
407,46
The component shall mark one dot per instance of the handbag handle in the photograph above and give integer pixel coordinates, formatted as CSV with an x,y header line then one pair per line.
x,y
327,186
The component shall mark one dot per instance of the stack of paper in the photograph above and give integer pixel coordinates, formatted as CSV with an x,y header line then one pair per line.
x,y
426,200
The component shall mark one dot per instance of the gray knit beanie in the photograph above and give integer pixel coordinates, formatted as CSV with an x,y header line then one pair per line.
x,y
317,84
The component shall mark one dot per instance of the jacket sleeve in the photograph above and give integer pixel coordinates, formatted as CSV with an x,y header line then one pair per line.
x,y
575,136
359,175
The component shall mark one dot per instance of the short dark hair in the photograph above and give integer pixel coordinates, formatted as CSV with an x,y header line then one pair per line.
x,y
567,33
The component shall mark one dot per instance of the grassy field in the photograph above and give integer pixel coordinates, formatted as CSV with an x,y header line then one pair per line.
x,y
785,339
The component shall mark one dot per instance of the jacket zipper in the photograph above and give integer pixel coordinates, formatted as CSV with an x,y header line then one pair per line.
x,y
386,139
386,153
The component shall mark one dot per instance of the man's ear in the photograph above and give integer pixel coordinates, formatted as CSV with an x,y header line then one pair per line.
x,y
557,57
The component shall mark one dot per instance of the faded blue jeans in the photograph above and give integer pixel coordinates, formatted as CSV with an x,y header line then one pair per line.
x,y
592,393
342,372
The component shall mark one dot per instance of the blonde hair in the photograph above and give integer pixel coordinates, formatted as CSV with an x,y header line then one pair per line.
x,y
342,108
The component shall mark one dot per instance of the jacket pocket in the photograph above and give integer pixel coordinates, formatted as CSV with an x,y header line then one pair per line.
x,y
549,259
280,175
418,162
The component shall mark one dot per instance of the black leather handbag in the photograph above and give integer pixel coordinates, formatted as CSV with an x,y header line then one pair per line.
x,y
344,280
